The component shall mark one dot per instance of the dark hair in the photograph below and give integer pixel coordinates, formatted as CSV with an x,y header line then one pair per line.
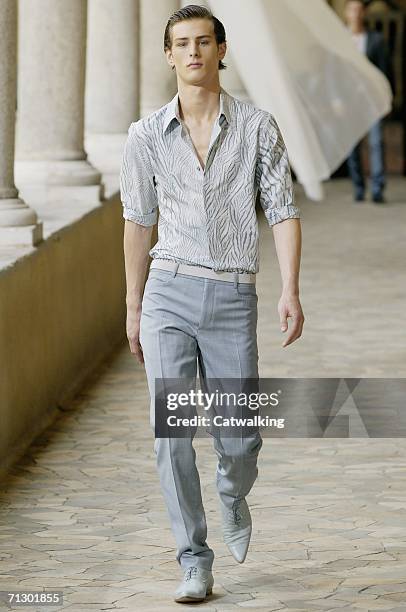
x,y
194,11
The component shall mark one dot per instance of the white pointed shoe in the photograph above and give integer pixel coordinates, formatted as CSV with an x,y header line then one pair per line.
x,y
197,583
237,527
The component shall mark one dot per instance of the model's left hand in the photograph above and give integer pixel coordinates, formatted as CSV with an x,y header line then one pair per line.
x,y
289,307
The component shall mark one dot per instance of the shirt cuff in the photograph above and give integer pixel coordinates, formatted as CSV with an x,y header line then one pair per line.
x,y
276,215
146,219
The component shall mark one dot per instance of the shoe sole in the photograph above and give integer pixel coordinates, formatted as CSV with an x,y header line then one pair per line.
x,y
187,599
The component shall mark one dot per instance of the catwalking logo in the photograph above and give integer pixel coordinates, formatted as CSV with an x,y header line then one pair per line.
x,y
222,421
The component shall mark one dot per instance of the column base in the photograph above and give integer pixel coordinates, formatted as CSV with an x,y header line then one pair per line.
x,y
37,195
53,180
23,235
19,224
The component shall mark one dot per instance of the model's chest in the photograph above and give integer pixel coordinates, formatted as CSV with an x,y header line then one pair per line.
x,y
224,157
199,139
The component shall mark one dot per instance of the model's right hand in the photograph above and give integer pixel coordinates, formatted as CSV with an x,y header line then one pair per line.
x,y
133,331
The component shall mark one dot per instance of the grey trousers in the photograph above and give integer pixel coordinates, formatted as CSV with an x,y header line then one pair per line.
x,y
188,321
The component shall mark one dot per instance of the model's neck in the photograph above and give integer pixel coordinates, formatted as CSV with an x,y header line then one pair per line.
x,y
198,103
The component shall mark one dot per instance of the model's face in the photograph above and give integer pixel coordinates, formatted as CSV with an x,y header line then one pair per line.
x,y
354,13
194,41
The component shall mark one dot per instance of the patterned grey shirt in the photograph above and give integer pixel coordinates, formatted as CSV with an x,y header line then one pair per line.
x,y
207,216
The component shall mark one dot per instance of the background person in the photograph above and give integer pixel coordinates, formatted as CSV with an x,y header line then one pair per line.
x,y
373,45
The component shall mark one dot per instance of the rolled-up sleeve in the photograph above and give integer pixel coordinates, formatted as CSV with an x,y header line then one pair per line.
x,y
273,175
137,187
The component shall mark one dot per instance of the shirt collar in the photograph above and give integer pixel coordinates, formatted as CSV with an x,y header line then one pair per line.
x,y
172,109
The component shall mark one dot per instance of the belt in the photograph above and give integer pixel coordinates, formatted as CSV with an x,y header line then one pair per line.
x,y
179,268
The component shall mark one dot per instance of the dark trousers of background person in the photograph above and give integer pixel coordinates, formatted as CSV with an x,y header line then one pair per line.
x,y
376,163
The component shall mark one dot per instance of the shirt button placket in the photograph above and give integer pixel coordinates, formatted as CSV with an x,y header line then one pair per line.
x,y
208,232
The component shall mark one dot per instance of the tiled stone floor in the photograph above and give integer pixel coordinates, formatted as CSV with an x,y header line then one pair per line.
x,y
83,512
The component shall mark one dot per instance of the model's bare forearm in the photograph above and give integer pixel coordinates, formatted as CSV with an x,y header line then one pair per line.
x,y
137,244
288,243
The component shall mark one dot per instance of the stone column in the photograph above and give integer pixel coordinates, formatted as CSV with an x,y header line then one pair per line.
x,y
157,80
231,80
18,222
51,159
112,80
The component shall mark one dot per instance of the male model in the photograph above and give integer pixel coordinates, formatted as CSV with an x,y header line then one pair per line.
x,y
201,160
372,44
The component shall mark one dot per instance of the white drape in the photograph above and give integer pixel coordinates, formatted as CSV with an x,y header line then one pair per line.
x,y
298,61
